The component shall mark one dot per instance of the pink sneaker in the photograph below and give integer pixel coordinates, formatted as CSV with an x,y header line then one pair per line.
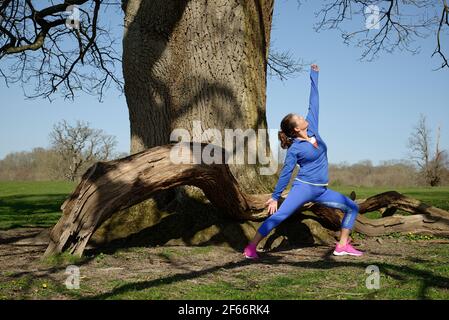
x,y
347,249
250,252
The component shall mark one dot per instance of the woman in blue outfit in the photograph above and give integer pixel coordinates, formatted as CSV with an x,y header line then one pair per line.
x,y
306,148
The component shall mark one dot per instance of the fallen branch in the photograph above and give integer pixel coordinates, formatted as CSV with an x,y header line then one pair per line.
x,y
425,219
108,187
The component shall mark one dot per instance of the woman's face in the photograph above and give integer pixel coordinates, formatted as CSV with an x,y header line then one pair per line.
x,y
301,123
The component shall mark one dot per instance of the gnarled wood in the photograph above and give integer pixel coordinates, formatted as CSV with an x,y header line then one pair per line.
x,y
425,219
108,187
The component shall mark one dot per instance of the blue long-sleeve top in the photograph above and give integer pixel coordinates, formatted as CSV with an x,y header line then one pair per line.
x,y
312,161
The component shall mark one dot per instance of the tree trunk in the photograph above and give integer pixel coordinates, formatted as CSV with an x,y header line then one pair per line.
x,y
108,187
197,60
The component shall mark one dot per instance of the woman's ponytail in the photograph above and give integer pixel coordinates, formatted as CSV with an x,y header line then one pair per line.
x,y
285,134
286,142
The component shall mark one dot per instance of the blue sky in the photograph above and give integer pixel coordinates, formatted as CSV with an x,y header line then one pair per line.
x,y
368,109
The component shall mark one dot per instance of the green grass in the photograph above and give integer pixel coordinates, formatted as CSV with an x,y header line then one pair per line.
x,y
30,287
37,203
32,203
435,196
345,279
426,277
61,259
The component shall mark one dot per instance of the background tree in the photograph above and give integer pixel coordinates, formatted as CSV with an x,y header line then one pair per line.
x,y
42,46
389,174
38,164
432,164
79,146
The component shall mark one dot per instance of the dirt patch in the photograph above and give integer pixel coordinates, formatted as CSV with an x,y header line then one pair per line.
x,y
118,273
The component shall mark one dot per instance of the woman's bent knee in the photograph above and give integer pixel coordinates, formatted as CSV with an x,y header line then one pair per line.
x,y
350,217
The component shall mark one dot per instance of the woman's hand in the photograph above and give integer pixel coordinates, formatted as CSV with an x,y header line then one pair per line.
x,y
272,205
315,67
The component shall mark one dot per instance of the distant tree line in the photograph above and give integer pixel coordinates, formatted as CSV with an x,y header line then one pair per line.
x,y
427,164
394,173
73,148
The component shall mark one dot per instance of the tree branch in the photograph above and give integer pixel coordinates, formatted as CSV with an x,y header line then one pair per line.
x,y
396,28
32,51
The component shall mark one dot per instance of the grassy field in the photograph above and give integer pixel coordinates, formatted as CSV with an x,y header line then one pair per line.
x,y
410,267
408,270
36,204
32,204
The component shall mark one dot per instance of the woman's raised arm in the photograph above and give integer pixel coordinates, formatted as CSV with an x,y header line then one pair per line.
x,y
314,106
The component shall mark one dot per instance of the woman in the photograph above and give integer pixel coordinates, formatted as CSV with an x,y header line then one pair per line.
x,y
306,148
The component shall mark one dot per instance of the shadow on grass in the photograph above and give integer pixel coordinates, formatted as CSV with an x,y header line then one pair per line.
x,y
31,203
199,217
428,279
15,238
30,210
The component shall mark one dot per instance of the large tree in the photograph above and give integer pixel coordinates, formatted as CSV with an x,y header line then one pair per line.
x,y
196,60
183,60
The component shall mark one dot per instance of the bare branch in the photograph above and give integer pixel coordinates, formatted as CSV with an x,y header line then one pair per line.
x,y
431,166
79,146
443,21
283,66
39,48
398,24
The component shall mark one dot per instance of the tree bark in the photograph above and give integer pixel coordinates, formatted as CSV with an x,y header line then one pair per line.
x,y
108,187
425,219
197,60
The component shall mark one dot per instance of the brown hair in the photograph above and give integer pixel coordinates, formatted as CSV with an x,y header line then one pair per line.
x,y
287,134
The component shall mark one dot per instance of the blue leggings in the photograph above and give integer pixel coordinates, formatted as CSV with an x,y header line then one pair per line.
x,y
302,193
